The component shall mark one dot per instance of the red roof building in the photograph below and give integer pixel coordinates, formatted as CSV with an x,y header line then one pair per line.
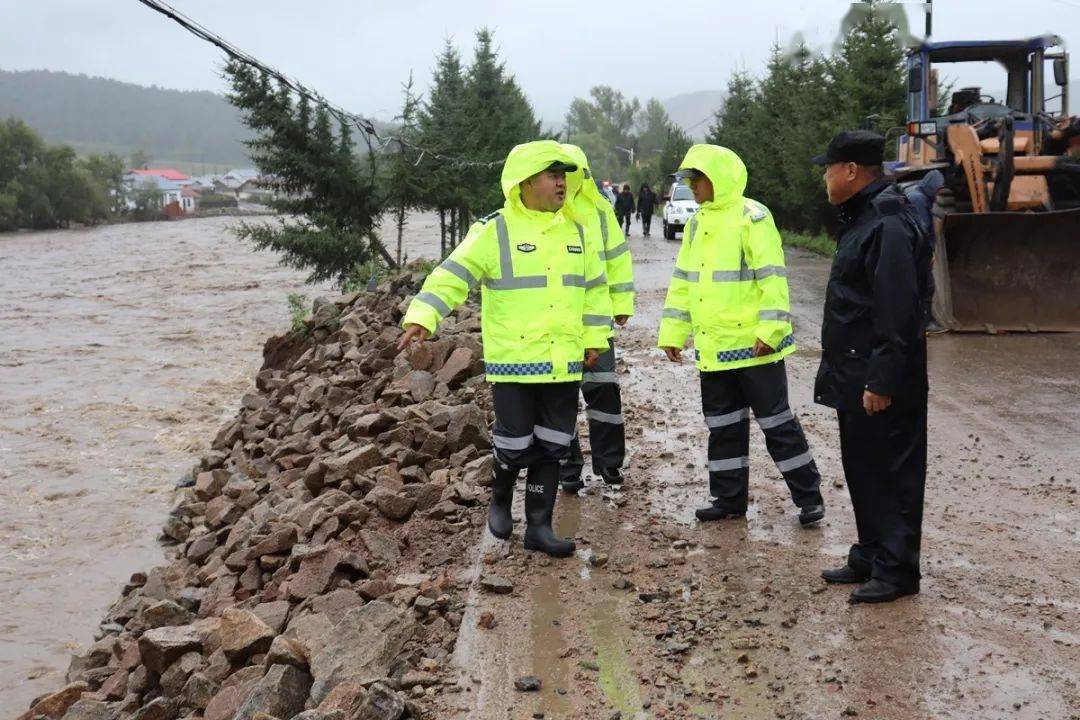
x,y
166,173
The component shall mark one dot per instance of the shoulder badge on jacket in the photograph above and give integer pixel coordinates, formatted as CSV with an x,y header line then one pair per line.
x,y
489,217
755,210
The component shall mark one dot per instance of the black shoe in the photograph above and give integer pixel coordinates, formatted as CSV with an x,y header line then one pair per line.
x,y
572,486
879,591
713,512
500,522
541,486
611,476
845,574
811,514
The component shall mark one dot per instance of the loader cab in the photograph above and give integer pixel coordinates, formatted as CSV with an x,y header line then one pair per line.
x,y
1026,68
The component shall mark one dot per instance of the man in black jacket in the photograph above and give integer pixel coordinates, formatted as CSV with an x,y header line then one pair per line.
x,y
624,208
873,365
646,203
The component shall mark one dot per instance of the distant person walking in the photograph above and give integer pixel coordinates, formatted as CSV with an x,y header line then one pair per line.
x,y
624,208
646,203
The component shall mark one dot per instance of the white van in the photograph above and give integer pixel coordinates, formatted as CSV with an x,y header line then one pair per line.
x,y
678,210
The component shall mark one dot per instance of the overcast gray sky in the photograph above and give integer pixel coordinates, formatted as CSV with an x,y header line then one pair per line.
x,y
357,53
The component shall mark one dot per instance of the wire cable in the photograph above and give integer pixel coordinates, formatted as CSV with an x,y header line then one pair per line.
x,y
363,124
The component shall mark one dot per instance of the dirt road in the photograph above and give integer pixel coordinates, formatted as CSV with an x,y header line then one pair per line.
x,y
124,347
675,619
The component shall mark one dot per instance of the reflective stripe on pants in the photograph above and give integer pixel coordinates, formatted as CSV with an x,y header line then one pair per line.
x,y
607,439
726,398
534,422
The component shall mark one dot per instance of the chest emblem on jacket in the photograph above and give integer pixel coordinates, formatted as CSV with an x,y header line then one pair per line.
x,y
526,247
576,249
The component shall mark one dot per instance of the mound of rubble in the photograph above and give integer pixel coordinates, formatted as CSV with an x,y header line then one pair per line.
x,y
315,561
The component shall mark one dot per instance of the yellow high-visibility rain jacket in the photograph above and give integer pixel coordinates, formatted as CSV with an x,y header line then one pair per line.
x,y
543,291
729,286
593,211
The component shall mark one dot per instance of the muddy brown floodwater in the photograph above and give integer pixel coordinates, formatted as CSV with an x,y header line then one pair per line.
x,y
123,348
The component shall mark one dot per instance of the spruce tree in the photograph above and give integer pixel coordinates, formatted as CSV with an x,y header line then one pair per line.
x,y
500,117
327,194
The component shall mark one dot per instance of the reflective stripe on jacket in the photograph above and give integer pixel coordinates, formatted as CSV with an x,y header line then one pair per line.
x,y
543,291
729,285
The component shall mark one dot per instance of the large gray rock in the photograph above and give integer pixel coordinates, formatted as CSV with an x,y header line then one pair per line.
x,y
381,703
158,648
87,709
281,693
228,699
243,634
361,648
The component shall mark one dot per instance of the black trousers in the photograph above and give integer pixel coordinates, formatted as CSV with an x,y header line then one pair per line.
x,y
727,396
646,223
884,458
534,422
624,222
603,408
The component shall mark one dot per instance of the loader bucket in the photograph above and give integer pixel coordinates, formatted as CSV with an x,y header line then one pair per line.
x,y
1008,271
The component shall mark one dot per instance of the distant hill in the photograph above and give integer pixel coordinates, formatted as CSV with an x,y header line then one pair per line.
x,y
693,111
99,115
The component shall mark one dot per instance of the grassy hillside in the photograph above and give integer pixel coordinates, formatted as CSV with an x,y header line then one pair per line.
x,y
99,115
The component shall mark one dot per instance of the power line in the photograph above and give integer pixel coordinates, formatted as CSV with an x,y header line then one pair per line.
x,y
363,124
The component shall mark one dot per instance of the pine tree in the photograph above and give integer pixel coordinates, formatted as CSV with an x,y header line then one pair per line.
x,y
402,184
500,117
321,182
869,72
442,127
737,125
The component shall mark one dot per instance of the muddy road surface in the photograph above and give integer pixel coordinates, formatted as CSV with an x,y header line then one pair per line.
x,y
124,347
659,616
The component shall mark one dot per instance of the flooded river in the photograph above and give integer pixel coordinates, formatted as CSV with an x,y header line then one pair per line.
x,y
123,348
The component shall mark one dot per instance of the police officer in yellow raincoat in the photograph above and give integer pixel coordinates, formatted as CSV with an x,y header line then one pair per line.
x,y
599,384
729,291
546,315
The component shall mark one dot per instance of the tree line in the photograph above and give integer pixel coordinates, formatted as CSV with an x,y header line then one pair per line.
x,y
776,123
335,198
46,186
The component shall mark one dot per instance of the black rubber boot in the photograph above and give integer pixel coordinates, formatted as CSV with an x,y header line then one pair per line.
x,y
713,512
572,486
610,476
500,522
541,486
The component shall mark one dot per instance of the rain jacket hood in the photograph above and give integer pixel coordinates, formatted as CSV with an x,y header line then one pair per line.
x,y
724,169
582,195
526,160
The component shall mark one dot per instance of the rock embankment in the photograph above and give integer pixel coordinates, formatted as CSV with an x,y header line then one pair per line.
x,y
314,565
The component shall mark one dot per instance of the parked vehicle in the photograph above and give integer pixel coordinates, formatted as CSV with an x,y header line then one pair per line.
x,y
678,210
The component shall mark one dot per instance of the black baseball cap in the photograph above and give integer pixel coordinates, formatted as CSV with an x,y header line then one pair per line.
x,y
861,147
560,166
688,174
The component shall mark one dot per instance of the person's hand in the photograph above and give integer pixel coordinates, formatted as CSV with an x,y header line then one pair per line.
x,y
417,332
674,354
874,403
620,320
591,356
761,349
